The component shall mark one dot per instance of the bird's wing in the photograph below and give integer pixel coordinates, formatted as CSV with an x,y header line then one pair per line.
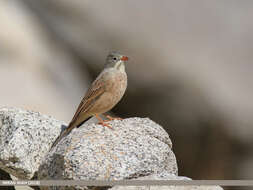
x,y
94,92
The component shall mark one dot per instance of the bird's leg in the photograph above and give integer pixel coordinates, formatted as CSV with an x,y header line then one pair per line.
x,y
102,122
110,118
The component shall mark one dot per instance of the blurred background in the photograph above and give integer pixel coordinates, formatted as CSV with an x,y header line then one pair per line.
x,y
190,69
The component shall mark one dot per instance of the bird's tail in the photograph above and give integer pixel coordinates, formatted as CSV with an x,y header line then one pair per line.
x,y
63,134
71,126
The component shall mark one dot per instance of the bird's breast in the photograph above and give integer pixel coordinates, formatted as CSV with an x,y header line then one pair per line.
x,y
115,87
116,83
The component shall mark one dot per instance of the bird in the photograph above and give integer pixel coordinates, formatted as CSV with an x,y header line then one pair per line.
x,y
104,93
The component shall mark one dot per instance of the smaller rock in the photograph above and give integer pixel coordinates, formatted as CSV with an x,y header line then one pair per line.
x,y
25,139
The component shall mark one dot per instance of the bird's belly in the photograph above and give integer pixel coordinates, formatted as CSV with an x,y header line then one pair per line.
x,y
105,102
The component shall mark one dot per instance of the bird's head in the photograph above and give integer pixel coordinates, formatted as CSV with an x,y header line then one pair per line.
x,y
116,60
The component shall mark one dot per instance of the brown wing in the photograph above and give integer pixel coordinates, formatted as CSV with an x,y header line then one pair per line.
x,y
96,90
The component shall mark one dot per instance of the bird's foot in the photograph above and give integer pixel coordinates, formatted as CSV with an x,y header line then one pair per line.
x,y
105,124
102,122
110,118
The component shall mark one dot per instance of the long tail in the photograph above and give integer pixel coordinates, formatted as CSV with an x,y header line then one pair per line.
x,y
63,134
67,131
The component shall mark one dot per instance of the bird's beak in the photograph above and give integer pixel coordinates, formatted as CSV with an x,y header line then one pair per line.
x,y
124,58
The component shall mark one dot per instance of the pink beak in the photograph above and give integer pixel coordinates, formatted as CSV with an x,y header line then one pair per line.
x,y
124,58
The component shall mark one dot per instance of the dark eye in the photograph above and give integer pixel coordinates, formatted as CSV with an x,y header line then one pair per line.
x,y
115,58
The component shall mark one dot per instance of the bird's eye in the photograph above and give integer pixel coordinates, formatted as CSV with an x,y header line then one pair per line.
x,y
115,58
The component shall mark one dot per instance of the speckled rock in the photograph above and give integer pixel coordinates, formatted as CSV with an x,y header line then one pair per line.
x,y
136,147
25,138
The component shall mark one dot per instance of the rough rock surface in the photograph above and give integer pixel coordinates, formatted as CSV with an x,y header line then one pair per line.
x,y
25,138
135,147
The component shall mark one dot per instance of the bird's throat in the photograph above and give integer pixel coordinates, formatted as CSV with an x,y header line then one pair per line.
x,y
120,65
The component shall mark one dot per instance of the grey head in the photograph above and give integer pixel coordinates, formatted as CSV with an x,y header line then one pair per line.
x,y
116,60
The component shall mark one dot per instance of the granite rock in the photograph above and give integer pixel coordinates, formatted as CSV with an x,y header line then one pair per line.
x,y
25,139
135,147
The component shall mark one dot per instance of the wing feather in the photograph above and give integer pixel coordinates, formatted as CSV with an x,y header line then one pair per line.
x,y
95,91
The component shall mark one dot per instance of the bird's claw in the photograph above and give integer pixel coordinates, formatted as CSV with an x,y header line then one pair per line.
x,y
101,122
110,118
105,124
